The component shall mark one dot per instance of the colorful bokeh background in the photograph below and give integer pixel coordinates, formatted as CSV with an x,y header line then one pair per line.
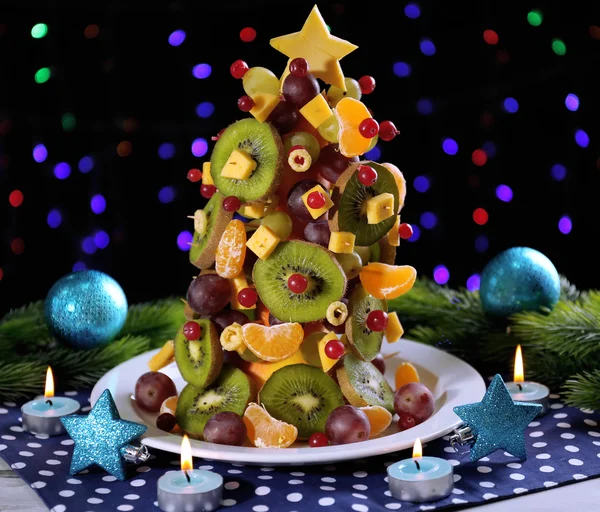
x,y
105,107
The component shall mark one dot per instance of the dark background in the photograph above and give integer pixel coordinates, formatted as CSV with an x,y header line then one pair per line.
x,y
129,84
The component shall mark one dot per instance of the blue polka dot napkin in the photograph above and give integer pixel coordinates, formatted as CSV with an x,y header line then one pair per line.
x,y
563,447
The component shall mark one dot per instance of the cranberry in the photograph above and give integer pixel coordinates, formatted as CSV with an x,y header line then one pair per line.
x,y
368,128
387,131
246,103
192,330
317,440
299,67
377,320
238,69
405,231
315,200
367,84
194,175
207,191
247,297
334,349
231,204
367,175
297,283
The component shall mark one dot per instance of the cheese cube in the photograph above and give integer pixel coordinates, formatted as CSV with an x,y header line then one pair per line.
x,y
264,104
206,175
239,165
316,111
238,284
342,242
252,211
317,212
326,362
394,329
394,235
271,204
263,242
380,207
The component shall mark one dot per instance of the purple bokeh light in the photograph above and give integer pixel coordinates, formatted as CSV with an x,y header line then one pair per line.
x,y
424,106
582,138
86,164
565,225
490,148
473,283
177,37
402,69
421,184
202,71
482,243
98,204
54,218
199,147
416,233
441,274
427,47
412,11
504,193
166,194
184,239
428,220
62,170
205,109
79,265
511,105
558,172
101,239
572,102
166,150
374,154
450,146
88,245
40,153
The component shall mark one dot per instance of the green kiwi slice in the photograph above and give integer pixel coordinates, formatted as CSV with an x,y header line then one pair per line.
x,y
301,395
202,251
326,281
232,391
263,143
366,343
350,196
199,361
362,384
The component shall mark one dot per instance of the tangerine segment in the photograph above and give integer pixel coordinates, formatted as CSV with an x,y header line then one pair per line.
x,y
405,374
379,418
264,431
273,343
231,251
350,114
387,281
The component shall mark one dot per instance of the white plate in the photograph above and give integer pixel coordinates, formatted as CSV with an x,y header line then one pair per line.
x,y
452,382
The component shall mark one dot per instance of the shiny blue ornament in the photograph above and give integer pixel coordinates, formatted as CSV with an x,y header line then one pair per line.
x,y
519,279
86,309
497,422
100,437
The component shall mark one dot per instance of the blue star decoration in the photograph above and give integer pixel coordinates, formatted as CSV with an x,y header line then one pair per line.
x,y
99,437
498,422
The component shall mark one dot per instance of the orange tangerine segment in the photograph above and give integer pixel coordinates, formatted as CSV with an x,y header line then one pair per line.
x,y
385,281
231,251
264,431
169,405
273,343
405,374
350,114
379,418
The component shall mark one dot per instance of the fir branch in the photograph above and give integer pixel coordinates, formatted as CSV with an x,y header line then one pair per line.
x,y
583,390
22,380
568,291
22,329
157,320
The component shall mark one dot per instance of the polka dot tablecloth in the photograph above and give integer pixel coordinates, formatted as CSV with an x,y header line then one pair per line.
x,y
563,447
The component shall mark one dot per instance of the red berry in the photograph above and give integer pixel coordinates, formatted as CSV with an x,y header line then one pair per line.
x,y
218,135
247,297
246,103
299,67
315,200
238,69
317,439
248,34
405,231
368,128
367,175
194,175
367,84
192,330
297,283
334,349
377,320
231,204
388,130
207,191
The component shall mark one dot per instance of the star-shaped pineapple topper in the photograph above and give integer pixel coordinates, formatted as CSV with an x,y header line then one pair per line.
x,y
315,44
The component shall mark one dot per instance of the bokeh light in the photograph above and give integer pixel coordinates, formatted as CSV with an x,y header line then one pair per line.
x,y
42,75
199,147
247,34
450,146
558,172
490,148
416,233
535,17
91,31
166,194
98,204
202,71
17,246
412,11
504,193
482,243
511,105
374,154
441,274
15,198
1,274
86,164
68,122
428,220
101,239
582,138
205,109
40,153
62,170
39,30
402,69
479,157
88,245
424,106
473,282
184,239
124,148
480,216
559,47
490,37
572,102
54,218
565,225
421,184
79,266
177,37
166,151
595,31
427,47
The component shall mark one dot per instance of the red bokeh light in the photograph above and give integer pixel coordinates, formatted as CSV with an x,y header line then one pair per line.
x,y
1,274
474,180
17,246
479,157
490,37
595,31
486,119
16,198
248,34
503,57
480,216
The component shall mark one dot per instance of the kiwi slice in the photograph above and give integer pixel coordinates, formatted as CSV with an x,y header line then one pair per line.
x,y
202,251
232,391
199,361
301,395
363,384
350,196
326,281
263,143
366,343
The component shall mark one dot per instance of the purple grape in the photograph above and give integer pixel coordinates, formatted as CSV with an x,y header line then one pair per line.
x,y
225,318
300,90
225,428
152,389
379,363
414,399
284,117
233,358
208,294
347,424
295,203
166,421
318,232
273,320
331,163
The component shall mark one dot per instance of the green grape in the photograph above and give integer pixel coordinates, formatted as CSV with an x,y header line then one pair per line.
x,y
335,94
310,348
373,142
260,80
329,129
303,139
278,222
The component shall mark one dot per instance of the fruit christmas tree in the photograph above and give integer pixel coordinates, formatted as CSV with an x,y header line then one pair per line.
x,y
296,249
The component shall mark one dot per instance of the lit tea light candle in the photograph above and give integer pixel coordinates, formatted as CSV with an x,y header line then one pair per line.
x,y
42,415
525,391
420,479
189,489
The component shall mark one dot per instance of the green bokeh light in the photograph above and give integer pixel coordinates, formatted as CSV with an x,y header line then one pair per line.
x,y
39,30
68,122
535,18
42,75
559,47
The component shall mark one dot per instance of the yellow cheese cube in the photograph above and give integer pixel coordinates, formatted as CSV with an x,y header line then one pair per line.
x,y
238,283
239,165
394,330
317,212
264,104
326,362
342,242
263,242
206,175
380,207
253,211
394,235
316,111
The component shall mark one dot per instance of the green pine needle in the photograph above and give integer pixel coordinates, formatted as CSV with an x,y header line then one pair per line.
x,y
158,320
22,380
583,390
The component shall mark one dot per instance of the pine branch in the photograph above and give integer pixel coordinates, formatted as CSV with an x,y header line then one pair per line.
x,y
22,380
157,320
22,329
583,390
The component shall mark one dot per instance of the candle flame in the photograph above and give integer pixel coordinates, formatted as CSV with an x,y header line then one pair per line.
x,y
519,372
49,389
417,449
186,454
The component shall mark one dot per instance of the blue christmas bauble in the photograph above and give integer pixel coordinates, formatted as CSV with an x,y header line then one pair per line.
x,y
519,279
86,309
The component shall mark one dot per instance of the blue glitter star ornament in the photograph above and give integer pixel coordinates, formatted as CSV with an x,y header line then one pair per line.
x,y
498,422
100,437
